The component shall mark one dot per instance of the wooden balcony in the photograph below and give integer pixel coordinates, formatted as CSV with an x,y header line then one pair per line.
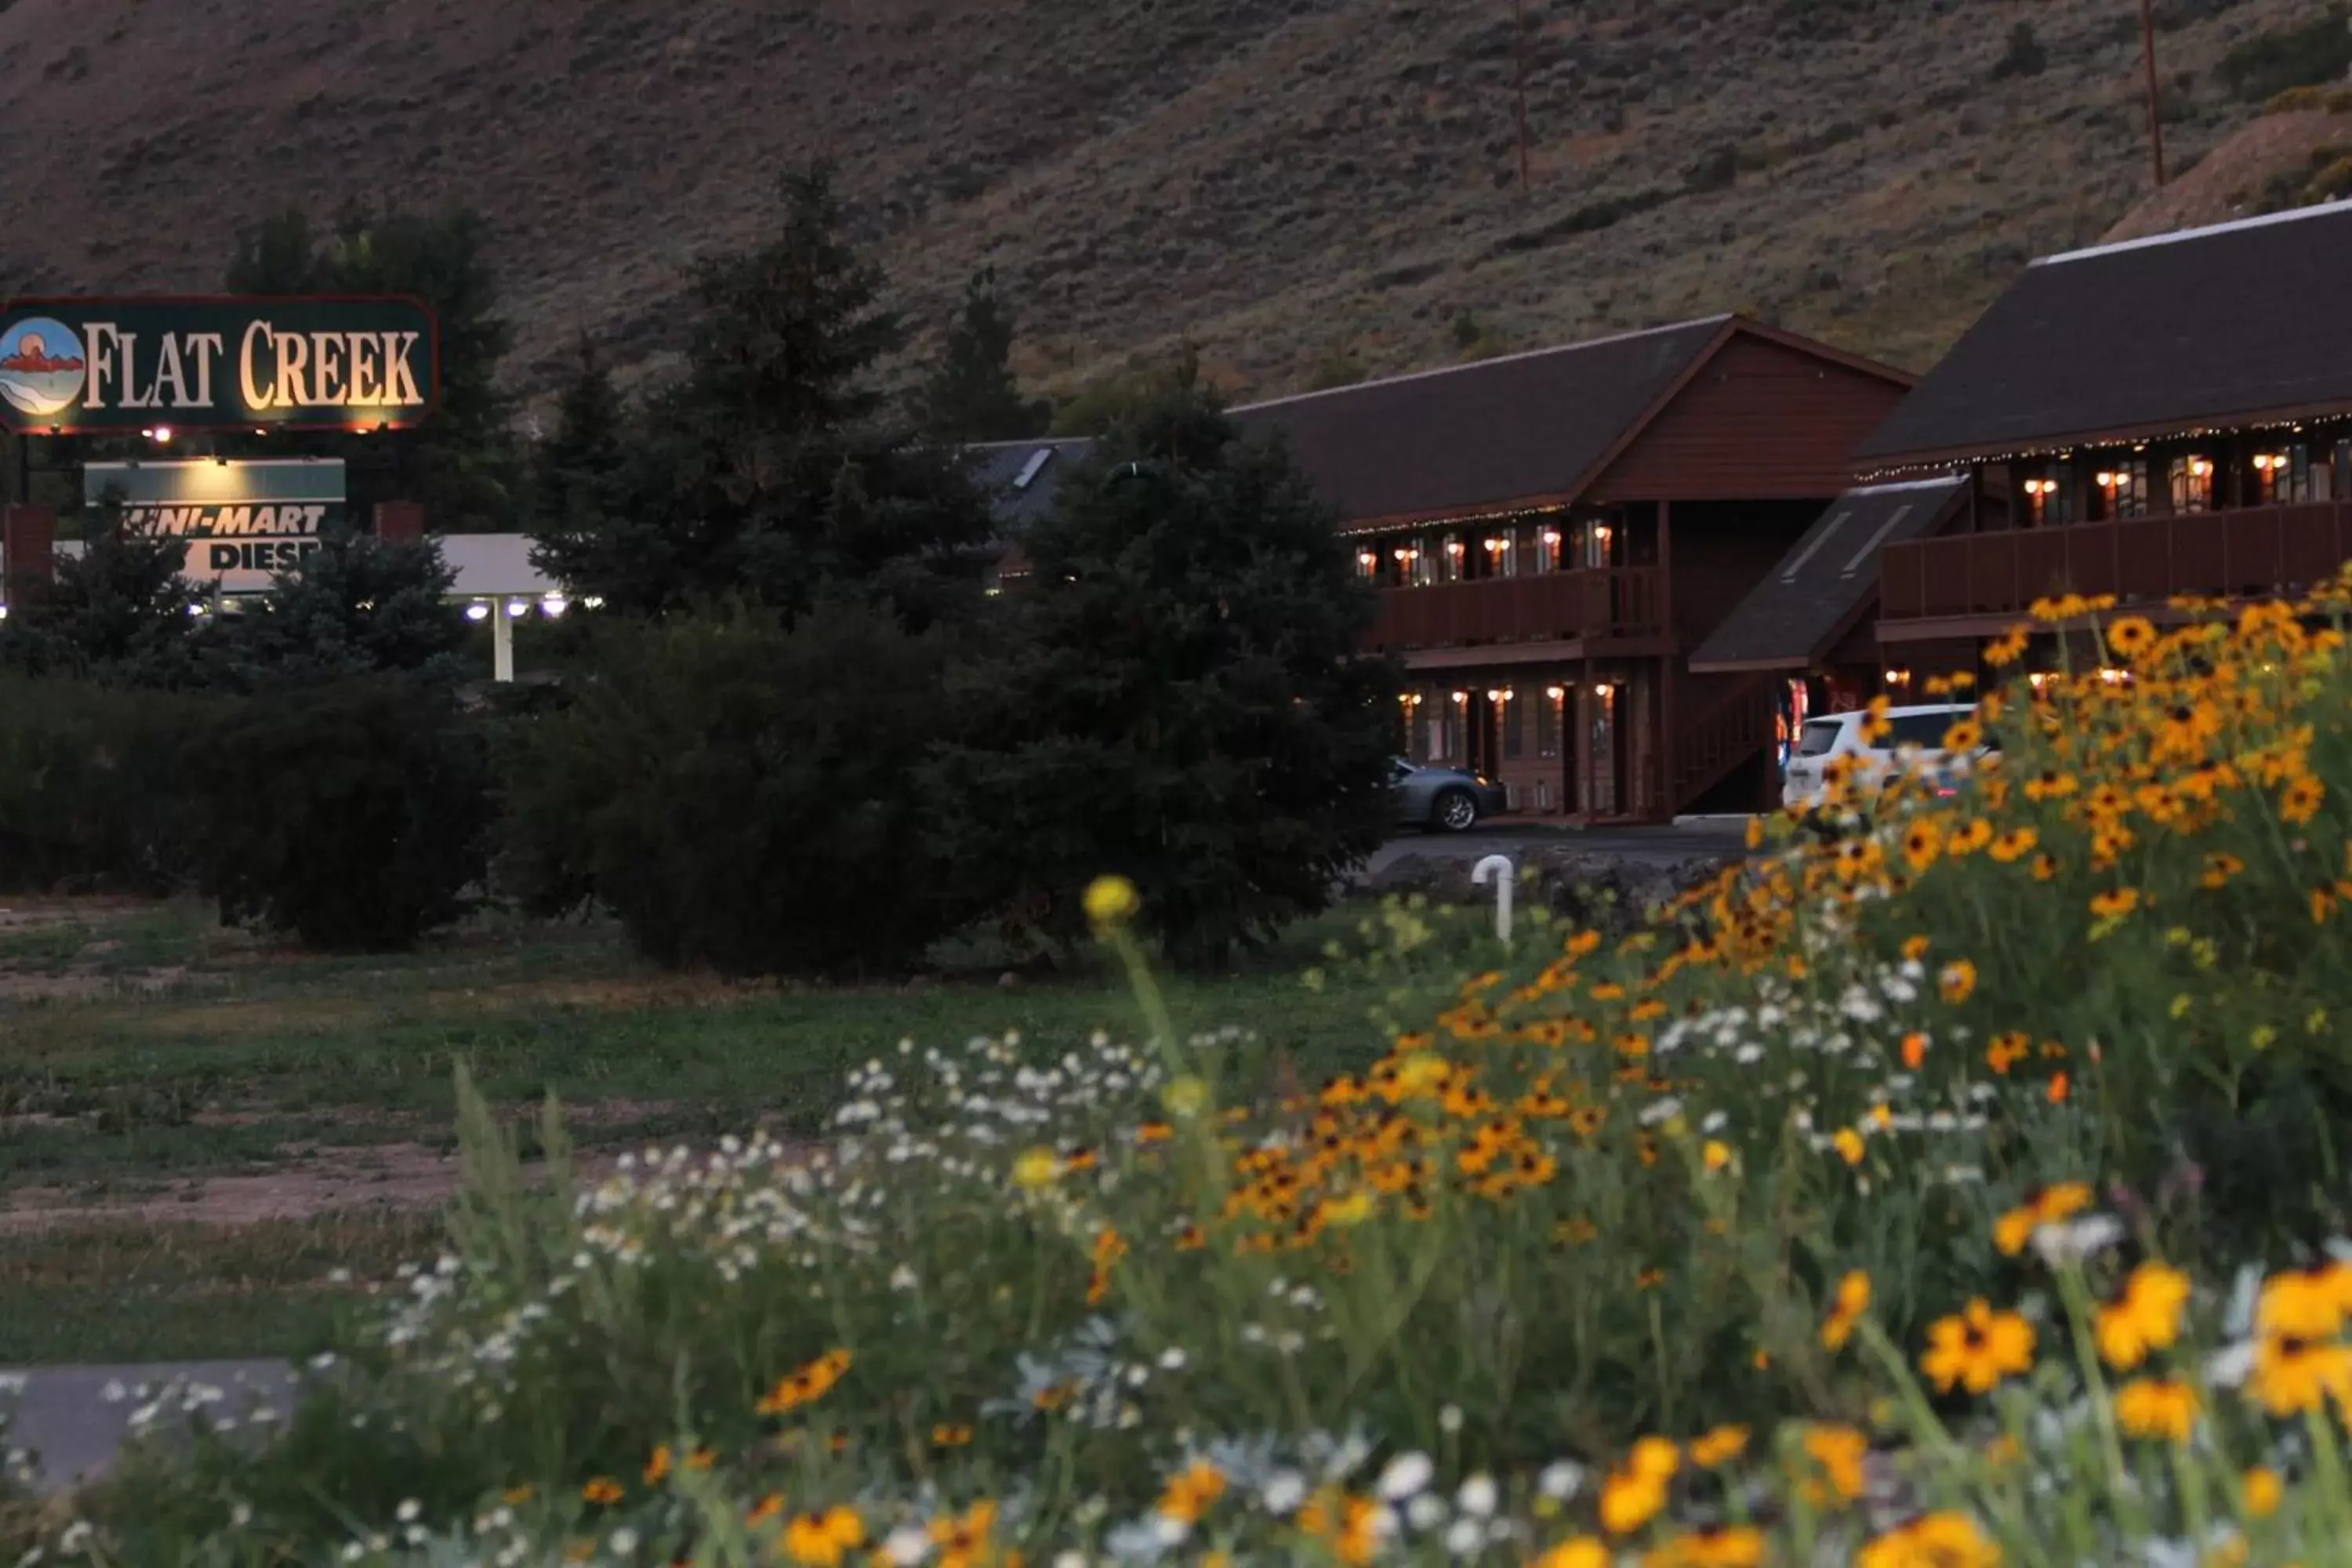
x,y
1550,606
2254,552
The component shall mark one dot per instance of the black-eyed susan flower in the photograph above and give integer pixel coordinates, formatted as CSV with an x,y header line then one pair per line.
x,y
2160,1409
1957,981
2115,903
1977,1348
1718,1447
805,1386
2013,845
823,1539
1836,1458
2042,1205
2262,1492
1947,1538
2301,800
603,1491
2293,1375
1192,1492
2130,637
2218,868
1853,1300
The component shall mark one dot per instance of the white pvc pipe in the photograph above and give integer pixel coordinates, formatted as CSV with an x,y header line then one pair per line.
x,y
1498,868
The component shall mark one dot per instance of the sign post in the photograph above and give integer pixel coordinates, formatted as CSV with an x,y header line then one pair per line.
x,y
156,365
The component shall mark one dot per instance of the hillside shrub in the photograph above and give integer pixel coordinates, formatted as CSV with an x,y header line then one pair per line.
x,y
1831,1219
740,793
2023,55
86,800
354,815
2314,52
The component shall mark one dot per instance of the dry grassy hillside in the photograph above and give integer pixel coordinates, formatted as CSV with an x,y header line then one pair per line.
x,y
1306,186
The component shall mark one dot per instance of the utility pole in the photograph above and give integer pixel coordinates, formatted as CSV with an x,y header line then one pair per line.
x,y
1520,51
2155,97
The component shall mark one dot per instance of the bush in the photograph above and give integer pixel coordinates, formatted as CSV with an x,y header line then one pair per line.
x,y
354,815
2308,54
2024,56
84,797
741,795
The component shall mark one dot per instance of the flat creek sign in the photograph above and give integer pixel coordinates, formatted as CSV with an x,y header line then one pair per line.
x,y
244,522
295,363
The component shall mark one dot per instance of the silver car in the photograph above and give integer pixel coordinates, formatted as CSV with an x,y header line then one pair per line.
x,y
1444,800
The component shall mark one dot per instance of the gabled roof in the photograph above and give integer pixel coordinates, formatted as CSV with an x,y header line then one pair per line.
x,y
1020,478
1828,579
1520,427
2243,323
1523,429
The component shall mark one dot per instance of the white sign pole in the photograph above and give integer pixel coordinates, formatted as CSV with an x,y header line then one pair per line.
x,y
1498,868
501,644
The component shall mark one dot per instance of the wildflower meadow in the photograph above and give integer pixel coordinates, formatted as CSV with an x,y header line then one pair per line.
x,y
1955,1182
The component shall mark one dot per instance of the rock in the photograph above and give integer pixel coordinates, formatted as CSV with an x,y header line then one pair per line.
x,y
1615,893
1008,980
1611,892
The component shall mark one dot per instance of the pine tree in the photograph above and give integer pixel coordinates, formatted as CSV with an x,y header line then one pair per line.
x,y
972,393
735,485
576,470
361,606
118,612
1182,700
462,464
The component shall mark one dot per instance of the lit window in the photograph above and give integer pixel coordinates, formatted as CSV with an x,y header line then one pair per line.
x,y
2123,487
2285,476
1547,716
2049,496
1547,547
2191,478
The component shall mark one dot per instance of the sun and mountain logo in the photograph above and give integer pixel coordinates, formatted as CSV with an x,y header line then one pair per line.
x,y
41,367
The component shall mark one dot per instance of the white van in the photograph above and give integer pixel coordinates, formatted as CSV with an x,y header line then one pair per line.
x,y
1913,733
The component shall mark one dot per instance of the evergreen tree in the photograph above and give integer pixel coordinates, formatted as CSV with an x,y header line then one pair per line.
x,y
772,468
576,472
972,393
361,606
1182,700
462,463
118,612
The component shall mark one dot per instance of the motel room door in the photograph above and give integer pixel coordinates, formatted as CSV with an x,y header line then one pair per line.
x,y
1597,748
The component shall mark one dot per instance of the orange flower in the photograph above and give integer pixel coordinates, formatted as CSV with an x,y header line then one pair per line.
x,y
2059,1087
1915,1051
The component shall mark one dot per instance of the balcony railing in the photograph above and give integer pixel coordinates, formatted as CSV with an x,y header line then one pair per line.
x,y
2234,554
1625,603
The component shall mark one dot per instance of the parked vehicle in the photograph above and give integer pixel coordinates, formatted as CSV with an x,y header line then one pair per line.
x,y
1444,800
1915,739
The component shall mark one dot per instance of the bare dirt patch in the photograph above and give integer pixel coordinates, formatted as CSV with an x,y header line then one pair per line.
x,y
2230,177
309,1183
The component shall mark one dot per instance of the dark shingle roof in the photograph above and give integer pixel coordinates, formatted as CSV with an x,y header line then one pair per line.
x,y
1020,478
1827,579
1514,428
2239,323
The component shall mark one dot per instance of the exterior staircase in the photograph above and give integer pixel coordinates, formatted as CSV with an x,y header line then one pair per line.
x,y
1723,722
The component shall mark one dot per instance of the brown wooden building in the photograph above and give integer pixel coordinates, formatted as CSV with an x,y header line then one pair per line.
x,y
1554,533
2168,417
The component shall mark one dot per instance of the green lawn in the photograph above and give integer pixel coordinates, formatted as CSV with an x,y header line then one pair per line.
x,y
143,1051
